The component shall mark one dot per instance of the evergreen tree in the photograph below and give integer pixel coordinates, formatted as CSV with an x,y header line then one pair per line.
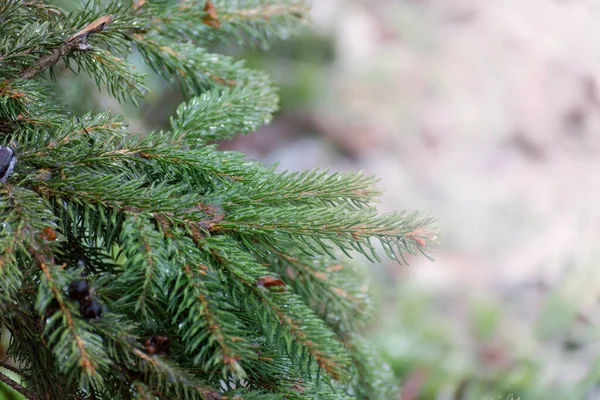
x,y
152,265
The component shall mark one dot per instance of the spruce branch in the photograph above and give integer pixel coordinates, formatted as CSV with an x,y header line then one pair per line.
x,y
17,387
42,9
6,365
174,381
75,42
233,265
84,360
195,303
324,286
266,12
304,328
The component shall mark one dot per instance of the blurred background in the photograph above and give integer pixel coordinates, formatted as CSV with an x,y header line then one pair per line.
x,y
485,115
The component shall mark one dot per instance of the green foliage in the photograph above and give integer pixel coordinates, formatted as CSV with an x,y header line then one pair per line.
x,y
238,265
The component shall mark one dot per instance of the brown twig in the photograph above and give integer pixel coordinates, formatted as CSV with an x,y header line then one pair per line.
x,y
75,42
9,367
26,393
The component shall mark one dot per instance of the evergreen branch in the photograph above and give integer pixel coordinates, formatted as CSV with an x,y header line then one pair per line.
x,y
230,262
265,12
96,226
193,68
146,261
27,106
19,48
29,350
76,42
260,19
8,91
123,24
200,167
72,141
256,19
372,378
216,326
17,387
121,80
171,376
41,9
9,10
22,215
217,115
322,287
86,361
305,328
119,192
196,303
17,14
313,226
316,187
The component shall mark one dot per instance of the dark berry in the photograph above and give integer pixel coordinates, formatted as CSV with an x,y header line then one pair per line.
x,y
7,162
158,344
90,309
78,290
52,308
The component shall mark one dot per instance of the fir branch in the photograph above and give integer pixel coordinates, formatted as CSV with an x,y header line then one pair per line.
x,y
29,350
40,9
63,145
119,192
18,49
27,105
262,20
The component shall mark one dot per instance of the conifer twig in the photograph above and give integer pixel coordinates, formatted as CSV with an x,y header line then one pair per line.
x,y
19,388
75,42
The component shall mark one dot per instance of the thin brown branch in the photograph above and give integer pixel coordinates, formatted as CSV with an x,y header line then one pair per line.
x,y
268,12
75,42
17,387
44,7
4,364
